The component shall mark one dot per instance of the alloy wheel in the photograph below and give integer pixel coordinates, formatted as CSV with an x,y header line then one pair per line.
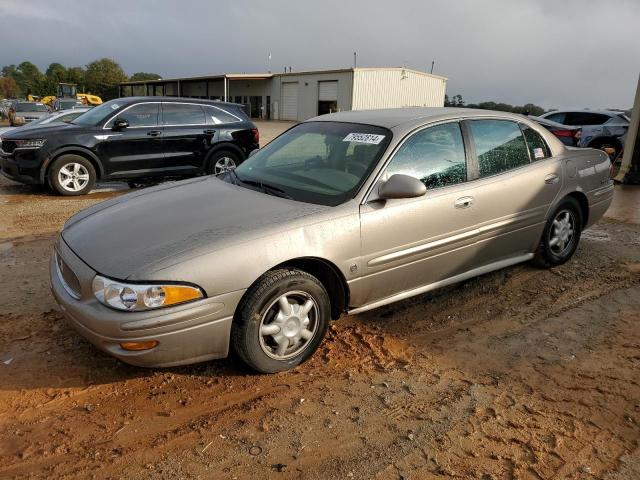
x,y
73,177
562,232
288,325
224,164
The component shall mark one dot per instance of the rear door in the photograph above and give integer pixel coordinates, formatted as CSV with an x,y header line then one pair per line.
x,y
187,136
408,243
135,151
516,182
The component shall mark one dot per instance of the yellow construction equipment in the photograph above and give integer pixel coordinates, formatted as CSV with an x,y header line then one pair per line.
x,y
70,90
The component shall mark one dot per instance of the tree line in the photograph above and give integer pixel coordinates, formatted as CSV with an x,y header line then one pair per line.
x,y
527,109
100,77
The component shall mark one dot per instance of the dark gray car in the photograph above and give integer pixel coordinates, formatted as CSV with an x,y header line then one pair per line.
x,y
340,214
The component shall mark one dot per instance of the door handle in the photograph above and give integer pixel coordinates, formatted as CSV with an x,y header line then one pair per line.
x,y
209,132
551,179
154,133
464,202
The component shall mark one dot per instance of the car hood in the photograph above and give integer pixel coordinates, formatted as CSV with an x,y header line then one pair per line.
x,y
36,131
132,233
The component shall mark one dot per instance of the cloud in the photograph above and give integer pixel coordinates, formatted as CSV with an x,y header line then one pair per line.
x,y
574,53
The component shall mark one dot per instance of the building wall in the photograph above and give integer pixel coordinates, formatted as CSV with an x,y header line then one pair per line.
x,y
390,88
308,92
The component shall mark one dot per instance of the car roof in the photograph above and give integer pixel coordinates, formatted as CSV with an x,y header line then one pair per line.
x,y
177,100
584,110
399,117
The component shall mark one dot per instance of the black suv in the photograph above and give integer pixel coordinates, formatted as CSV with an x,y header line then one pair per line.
x,y
134,139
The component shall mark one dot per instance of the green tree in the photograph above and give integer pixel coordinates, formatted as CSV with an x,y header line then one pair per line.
x,y
32,80
76,75
103,76
56,72
138,76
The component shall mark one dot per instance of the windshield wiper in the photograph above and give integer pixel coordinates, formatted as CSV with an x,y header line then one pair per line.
x,y
266,188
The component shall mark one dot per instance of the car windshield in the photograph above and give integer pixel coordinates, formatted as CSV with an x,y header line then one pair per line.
x,y
70,104
315,162
45,119
97,114
31,107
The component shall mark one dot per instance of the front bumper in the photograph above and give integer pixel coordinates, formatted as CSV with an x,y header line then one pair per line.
x,y
21,166
188,333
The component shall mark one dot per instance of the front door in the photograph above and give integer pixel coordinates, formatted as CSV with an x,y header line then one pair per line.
x,y
134,151
518,181
408,243
187,136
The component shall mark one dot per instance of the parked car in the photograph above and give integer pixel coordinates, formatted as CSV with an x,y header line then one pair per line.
x,y
63,116
21,113
131,139
602,129
340,214
567,134
67,104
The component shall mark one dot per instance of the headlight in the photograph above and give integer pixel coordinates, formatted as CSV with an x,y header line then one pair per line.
x,y
134,297
32,143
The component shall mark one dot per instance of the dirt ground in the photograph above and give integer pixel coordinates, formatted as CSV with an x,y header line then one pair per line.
x,y
519,374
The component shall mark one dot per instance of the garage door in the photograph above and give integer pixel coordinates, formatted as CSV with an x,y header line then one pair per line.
x,y
290,101
328,91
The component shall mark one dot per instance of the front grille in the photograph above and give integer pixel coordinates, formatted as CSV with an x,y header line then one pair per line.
x,y
8,146
69,280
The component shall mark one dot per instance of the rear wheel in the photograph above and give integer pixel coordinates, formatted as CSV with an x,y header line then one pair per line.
x,y
72,175
282,321
222,161
561,235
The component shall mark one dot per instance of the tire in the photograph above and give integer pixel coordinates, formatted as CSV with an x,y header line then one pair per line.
x,y
262,348
559,239
62,179
222,161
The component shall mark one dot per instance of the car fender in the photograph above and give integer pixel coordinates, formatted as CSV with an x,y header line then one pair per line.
x,y
70,149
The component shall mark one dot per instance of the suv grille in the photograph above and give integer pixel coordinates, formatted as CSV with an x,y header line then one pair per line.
x,y
8,146
68,278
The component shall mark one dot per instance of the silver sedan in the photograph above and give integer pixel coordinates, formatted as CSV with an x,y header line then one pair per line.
x,y
340,214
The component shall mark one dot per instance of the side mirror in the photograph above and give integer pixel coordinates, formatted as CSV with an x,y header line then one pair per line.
x,y
401,186
120,124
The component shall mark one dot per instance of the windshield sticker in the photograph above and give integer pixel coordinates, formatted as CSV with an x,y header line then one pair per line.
x,y
538,153
115,106
364,138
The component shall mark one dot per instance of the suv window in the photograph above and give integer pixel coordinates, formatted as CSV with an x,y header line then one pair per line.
x,y
538,148
182,114
140,115
500,146
435,156
217,115
585,118
556,117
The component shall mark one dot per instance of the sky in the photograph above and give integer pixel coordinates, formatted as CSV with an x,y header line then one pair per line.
x,y
554,53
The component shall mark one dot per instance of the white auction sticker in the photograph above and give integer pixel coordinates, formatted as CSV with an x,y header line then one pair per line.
x,y
538,153
364,138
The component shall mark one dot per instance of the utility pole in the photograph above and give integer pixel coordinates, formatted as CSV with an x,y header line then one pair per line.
x,y
355,59
433,62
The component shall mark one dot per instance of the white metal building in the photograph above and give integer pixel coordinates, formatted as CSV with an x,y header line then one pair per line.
x,y
302,95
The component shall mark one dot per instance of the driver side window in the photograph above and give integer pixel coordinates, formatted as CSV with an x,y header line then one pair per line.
x,y
434,155
141,115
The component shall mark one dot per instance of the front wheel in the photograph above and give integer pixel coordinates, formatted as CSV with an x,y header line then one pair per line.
x,y
561,235
282,321
72,175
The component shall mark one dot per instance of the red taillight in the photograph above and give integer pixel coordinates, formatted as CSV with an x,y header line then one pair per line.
x,y
256,135
564,133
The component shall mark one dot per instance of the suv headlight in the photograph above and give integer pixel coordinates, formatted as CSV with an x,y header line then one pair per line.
x,y
31,143
138,297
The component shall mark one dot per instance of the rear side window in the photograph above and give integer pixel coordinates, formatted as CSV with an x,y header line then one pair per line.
x,y
556,117
435,156
585,118
538,148
500,146
182,114
141,115
217,115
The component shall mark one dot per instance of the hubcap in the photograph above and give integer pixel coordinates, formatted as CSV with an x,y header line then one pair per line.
x,y
73,177
562,232
288,325
224,164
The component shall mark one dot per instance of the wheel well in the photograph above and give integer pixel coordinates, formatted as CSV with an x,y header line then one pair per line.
x,y
80,153
330,277
584,205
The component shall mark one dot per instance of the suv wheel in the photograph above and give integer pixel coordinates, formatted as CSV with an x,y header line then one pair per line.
x,y
222,161
282,321
561,235
72,175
